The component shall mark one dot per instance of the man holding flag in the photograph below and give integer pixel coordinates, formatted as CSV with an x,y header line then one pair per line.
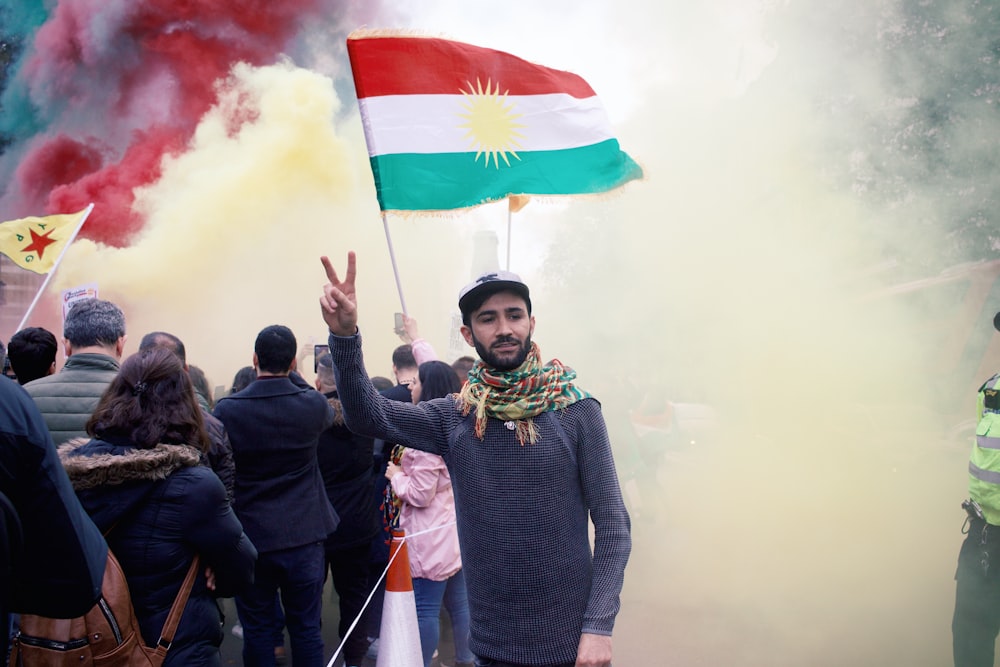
x,y
531,461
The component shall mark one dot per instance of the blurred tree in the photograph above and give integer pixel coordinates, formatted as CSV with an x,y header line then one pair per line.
x,y
912,90
944,61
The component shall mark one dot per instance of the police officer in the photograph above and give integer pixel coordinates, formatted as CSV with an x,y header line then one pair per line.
x,y
976,622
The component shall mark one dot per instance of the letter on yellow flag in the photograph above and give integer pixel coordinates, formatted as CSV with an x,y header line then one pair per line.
x,y
35,243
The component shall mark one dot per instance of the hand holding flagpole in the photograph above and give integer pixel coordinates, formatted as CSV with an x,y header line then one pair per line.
x,y
339,303
52,271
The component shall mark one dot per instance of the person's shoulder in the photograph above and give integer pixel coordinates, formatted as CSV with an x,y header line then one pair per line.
x,y
40,383
10,390
585,406
233,401
20,415
582,415
201,484
423,459
79,374
210,419
200,475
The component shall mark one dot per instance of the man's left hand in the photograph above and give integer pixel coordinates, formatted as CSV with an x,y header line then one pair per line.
x,y
594,651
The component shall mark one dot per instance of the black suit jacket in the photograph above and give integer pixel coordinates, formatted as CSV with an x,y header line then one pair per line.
x,y
274,426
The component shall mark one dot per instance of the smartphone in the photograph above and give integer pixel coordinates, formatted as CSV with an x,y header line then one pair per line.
x,y
319,351
400,330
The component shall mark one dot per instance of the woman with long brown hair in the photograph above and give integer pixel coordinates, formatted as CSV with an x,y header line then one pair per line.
x,y
142,481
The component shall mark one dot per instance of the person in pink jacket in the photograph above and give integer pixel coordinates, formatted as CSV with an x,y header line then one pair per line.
x,y
427,515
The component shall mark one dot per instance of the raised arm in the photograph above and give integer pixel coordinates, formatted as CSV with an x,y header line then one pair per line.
x,y
424,426
367,412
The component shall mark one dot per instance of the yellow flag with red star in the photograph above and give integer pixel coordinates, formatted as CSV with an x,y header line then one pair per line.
x,y
35,243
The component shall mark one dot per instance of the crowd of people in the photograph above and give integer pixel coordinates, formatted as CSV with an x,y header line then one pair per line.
x,y
496,468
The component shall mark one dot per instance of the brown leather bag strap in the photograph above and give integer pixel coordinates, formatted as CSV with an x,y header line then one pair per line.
x,y
177,610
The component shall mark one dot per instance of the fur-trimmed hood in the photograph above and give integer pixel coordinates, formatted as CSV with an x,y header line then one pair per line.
x,y
95,463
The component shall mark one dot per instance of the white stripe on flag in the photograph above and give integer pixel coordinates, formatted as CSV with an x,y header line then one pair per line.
x,y
432,123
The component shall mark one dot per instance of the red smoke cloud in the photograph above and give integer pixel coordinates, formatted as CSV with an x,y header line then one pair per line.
x,y
139,75
55,162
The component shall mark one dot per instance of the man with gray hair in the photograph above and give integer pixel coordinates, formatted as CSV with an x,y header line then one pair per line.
x,y
94,339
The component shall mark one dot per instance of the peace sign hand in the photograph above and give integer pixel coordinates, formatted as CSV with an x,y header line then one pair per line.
x,y
339,302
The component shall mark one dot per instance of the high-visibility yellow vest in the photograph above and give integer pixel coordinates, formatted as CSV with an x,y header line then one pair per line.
x,y
984,465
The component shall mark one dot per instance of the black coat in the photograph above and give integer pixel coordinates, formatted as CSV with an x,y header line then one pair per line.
x,y
163,507
346,461
274,426
60,566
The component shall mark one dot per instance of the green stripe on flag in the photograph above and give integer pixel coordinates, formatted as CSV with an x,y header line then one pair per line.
x,y
440,181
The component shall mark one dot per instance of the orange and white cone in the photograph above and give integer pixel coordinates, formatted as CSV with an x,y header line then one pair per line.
x,y
399,638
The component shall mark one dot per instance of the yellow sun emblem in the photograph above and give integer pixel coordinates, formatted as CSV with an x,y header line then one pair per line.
x,y
491,123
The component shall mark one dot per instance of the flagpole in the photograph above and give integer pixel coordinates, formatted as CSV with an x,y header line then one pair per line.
x,y
55,265
510,215
392,258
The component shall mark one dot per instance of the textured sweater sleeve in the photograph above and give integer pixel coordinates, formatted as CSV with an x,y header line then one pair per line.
x,y
424,426
612,528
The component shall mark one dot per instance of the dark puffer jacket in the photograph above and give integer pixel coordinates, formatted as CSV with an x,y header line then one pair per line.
x,y
164,508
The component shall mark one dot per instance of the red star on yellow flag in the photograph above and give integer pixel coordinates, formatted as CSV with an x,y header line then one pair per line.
x,y
50,233
39,242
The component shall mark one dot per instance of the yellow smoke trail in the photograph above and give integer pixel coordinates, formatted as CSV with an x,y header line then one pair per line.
x,y
236,225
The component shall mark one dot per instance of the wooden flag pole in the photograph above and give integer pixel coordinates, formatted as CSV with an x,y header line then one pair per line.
x,y
395,268
55,265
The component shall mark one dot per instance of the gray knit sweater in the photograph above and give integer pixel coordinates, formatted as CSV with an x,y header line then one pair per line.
x,y
522,514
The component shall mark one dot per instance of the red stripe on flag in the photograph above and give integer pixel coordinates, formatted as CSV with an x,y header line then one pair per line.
x,y
427,66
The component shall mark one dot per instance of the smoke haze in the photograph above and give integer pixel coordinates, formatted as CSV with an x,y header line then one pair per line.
x,y
802,509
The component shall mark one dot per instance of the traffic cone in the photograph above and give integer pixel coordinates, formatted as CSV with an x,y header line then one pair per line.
x,y
399,638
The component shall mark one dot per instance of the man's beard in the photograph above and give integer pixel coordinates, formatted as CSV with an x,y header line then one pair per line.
x,y
509,361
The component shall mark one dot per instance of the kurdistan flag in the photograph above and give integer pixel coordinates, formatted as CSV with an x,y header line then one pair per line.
x,y
35,243
450,125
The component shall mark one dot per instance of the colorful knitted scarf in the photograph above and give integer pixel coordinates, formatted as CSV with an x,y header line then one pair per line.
x,y
517,395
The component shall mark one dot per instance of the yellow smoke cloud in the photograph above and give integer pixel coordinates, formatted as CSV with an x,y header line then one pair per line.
x,y
236,225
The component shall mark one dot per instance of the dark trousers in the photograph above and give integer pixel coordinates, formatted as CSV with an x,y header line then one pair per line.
x,y
298,575
373,615
349,570
976,622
